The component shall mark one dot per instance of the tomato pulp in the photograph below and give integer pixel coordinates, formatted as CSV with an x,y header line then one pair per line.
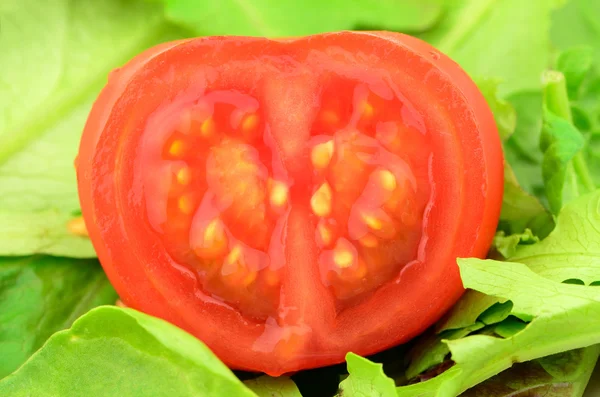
x,y
289,201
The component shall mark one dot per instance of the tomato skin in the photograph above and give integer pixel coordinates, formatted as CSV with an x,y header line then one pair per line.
x,y
460,221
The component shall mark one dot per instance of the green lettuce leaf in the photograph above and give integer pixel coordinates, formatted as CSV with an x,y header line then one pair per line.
x,y
561,142
432,350
575,64
569,162
267,386
592,155
517,312
497,313
560,375
121,352
583,84
504,113
521,150
297,18
487,39
564,169
572,26
522,211
366,379
556,310
466,311
506,40
507,245
40,295
576,24
44,231
572,250
46,90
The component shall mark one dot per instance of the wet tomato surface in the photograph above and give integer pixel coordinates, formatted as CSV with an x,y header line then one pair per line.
x,y
288,201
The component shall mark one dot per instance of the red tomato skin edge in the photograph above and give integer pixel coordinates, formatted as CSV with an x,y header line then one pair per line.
x,y
422,305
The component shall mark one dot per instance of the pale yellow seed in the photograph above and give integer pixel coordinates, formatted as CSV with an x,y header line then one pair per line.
x,y
176,148
343,258
77,227
367,109
321,154
234,255
207,128
368,241
279,194
184,176
185,204
387,179
320,202
211,231
250,122
214,240
249,279
372,222
325,234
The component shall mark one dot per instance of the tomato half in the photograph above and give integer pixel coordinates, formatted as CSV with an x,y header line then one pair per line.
x,y
288,201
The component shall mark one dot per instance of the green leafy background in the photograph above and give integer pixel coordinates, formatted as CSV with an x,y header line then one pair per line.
x,y
538,64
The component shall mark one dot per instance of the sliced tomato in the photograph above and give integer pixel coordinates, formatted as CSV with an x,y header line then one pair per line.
x,y
289,201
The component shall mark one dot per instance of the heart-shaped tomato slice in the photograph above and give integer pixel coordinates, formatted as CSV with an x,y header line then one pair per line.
x,y
288,201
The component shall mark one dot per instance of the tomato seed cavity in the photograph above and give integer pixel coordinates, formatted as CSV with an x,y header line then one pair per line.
x,y
225,198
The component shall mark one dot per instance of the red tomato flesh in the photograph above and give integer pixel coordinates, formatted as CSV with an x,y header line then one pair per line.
x,y
290,201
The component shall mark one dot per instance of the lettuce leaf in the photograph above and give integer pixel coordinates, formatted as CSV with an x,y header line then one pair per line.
x,y
297,18
575,24
522,150
559,375
46,90
493,38
556,310
572,250
267,386
517,312
575,32
564,168
40,295
522,211
112,351
366,379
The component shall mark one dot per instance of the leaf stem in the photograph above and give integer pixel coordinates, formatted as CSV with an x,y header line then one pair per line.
x,y
557,101
555,94
582,171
